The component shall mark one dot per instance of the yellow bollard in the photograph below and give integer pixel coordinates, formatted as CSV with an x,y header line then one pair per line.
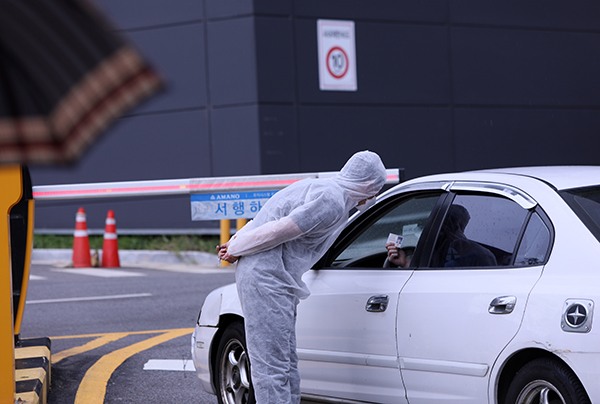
x,y
226,232
12,190
225,236
239,223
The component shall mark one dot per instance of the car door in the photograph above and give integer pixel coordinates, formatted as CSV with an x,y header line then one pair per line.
x,y
460,310
346,329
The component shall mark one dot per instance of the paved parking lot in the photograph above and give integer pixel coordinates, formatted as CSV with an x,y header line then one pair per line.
x,y
120,335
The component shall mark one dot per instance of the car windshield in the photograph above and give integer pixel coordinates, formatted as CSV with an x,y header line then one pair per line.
x,y
585,202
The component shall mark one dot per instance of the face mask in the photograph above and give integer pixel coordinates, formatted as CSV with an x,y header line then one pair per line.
x,y
368,203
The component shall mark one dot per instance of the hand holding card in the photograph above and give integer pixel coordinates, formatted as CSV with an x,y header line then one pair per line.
x,y
396,239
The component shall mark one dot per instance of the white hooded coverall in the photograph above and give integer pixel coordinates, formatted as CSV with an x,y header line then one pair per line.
x,y
286,238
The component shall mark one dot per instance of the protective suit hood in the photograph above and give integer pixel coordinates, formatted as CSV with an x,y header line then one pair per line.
x,y
362,176
298,224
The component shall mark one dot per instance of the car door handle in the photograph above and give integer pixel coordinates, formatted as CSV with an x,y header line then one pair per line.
x,y
377,304
502,305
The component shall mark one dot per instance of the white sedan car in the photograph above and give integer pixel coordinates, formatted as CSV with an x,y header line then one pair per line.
x,y
496,305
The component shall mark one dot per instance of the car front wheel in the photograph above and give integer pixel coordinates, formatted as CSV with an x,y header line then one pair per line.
x,y
546,381
232,370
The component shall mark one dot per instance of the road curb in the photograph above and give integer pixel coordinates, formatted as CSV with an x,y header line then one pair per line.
x,y
32,370
138,257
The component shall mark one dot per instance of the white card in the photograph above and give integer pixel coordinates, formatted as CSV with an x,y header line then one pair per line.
x,y
396,239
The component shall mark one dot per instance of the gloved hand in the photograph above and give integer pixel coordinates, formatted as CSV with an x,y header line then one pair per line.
x,y
224,255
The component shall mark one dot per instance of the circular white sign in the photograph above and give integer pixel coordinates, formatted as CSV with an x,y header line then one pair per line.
x,y
337,62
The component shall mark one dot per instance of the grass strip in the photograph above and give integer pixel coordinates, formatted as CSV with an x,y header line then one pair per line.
x,y
174,243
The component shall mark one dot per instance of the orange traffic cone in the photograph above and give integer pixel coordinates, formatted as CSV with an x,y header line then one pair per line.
x,y
110,247
81,242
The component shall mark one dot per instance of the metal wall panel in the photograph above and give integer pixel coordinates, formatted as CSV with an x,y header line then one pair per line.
x,y
235,144
524,67
133,14
443,85
166,48
232,61
560,15
501,137
279,140
275,59
417,139
432,11
218,9
140,147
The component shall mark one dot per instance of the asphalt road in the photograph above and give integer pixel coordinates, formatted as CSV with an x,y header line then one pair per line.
x,y
120,335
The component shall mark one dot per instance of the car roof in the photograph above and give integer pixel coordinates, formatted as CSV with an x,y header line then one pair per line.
x,y
559,177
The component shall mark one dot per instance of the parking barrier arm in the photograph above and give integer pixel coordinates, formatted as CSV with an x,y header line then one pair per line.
x,y
181,186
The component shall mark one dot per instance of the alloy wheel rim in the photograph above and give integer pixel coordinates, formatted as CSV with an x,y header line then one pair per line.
x,y
540,392
235,380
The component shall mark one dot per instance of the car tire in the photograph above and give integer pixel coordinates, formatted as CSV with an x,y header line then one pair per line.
x,y
232,367
546,380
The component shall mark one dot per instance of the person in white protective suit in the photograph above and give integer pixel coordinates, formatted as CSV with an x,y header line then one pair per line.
x,y
286,238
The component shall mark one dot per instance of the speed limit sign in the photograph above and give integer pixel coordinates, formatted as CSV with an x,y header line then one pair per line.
x,y
337,62
337,57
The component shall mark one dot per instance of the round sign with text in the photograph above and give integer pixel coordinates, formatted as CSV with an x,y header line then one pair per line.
x,y
337,62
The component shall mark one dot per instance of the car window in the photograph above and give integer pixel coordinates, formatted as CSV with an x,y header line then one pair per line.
x,y
479,231
535,244
406,219
585,202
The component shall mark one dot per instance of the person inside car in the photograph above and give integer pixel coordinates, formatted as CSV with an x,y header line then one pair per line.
x,y
454,249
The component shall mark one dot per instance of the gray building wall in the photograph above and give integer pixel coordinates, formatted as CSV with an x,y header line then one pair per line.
x,y
443,85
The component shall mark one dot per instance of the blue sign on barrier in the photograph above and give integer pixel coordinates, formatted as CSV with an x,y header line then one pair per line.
x,y
235,205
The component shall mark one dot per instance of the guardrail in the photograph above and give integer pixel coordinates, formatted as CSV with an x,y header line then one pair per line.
x,y
181,186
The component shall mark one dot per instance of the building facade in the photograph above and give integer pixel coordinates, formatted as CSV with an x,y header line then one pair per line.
x,y
441,85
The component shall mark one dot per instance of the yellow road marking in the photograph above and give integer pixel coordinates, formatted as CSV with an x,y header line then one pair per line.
x,y
92,388
111,333
98,342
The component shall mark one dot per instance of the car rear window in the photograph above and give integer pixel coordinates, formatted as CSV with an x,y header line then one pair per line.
x,y
585,202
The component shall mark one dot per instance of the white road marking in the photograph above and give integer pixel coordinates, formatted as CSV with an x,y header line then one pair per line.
x,y
83,299
103,273
180,365
185,268
36,278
